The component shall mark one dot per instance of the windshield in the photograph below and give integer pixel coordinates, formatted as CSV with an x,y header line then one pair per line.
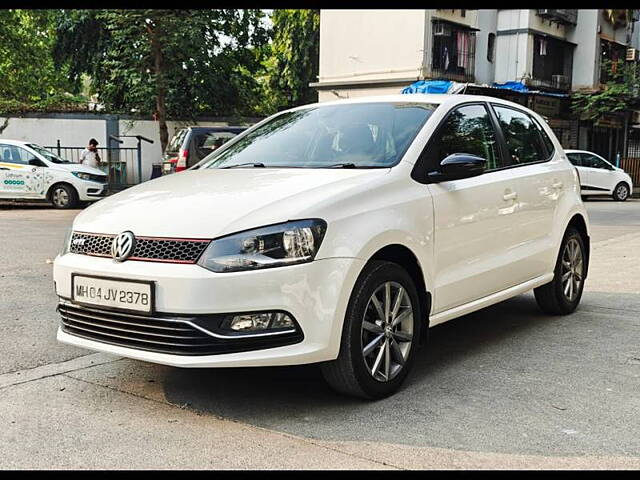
x,y
52,157
357,135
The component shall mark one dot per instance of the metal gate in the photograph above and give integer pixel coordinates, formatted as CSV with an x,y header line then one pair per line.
x,y
631,161
122,165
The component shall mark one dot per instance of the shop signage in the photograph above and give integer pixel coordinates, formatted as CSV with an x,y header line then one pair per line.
x,y
548,106
609,121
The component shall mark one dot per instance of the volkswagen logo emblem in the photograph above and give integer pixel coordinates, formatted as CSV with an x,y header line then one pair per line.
x,y
122,246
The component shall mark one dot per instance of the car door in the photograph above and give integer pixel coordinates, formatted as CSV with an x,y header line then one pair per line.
x,y
18,179
541,176
473,217
600,175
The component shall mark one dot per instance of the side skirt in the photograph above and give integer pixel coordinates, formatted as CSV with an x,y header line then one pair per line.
x,y
489,300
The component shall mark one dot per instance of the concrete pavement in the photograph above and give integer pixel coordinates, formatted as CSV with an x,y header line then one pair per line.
x,y
506,387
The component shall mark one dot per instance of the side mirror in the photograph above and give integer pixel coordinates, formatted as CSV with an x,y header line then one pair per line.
x,y
36,162
458,166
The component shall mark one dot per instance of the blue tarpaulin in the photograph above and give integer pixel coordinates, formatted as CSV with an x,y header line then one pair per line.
x,y
429,86
516,86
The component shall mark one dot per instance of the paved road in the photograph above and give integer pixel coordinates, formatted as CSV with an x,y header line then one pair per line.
x,y
505,387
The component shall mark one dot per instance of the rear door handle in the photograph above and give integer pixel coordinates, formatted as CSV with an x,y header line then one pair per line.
x,y
510,196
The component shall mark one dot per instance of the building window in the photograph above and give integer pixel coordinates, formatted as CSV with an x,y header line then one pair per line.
x,y
610,54
453,53
491,40
552,63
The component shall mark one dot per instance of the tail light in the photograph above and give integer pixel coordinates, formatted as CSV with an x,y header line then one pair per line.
x,y
182,160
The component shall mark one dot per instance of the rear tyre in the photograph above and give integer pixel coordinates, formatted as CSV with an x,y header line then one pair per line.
x,y
64,196
380,335
562,295
621,192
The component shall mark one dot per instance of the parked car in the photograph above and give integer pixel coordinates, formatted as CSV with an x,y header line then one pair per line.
x,y
190,145
600,177
30,172
333,233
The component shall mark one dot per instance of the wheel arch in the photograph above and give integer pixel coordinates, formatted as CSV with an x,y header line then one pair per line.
x,y
404,256
579,223
67,184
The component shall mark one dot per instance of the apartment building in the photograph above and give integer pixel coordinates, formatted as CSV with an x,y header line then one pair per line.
x,y
547,54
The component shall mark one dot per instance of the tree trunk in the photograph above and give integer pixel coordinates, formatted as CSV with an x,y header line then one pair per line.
x,y
161,89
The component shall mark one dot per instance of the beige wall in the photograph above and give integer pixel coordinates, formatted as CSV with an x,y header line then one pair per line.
x,y
370,44
76,133
337,94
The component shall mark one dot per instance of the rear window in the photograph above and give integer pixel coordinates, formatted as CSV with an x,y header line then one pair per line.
x,y
176,141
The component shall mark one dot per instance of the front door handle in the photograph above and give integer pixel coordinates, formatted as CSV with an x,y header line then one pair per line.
x,y
510,196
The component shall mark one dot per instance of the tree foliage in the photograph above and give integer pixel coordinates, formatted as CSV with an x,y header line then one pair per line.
x,y
293,59
621,90
27,71
165,62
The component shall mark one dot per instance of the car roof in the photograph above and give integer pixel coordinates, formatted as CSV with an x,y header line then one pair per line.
x,y
222,128
435,98
13,142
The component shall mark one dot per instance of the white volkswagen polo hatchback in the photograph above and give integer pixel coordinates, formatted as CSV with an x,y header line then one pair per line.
x,y
600,177
335,233
31,172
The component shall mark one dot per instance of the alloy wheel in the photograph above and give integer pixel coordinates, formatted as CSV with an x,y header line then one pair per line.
x,y
622,192
572,269
60,197
387,331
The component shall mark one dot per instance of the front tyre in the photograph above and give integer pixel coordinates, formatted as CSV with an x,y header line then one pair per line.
x,y
621,192
380,334
562,295
64,196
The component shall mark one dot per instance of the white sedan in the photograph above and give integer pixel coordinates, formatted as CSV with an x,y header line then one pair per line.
x,y
335,233
30,172
600,177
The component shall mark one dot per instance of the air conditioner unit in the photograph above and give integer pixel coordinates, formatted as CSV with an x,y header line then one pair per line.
x,y
441,30
632,54
559,81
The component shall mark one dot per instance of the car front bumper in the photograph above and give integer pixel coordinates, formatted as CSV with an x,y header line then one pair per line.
x,y
316,294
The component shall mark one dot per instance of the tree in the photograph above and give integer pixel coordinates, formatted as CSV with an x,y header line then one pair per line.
x,y
27,72
620,91
293,60
165,63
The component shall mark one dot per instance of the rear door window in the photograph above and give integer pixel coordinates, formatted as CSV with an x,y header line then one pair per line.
x,y
176,142
522,136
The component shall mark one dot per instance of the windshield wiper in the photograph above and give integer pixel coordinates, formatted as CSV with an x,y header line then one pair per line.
x,y
249,164
343,165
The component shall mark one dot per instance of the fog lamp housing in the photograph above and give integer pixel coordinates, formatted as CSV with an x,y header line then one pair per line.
x,y
259,322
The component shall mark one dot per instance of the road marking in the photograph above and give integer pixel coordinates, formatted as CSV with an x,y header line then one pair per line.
x,y
53,369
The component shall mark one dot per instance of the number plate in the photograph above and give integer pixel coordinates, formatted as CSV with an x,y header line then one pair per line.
x,y
113,293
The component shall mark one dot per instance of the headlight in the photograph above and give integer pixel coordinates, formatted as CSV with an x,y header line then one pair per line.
x,y
67,242
273,246
82,175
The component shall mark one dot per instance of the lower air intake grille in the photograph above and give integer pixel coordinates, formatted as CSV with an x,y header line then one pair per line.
x,y
161,333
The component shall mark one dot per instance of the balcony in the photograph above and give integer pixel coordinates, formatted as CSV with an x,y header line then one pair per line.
x,y
552,63
453,52
562,16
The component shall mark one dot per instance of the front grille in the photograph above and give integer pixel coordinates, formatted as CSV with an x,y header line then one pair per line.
x,y
163,333
172,250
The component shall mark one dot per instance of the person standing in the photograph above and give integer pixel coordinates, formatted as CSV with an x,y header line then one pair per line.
x,y
89,155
